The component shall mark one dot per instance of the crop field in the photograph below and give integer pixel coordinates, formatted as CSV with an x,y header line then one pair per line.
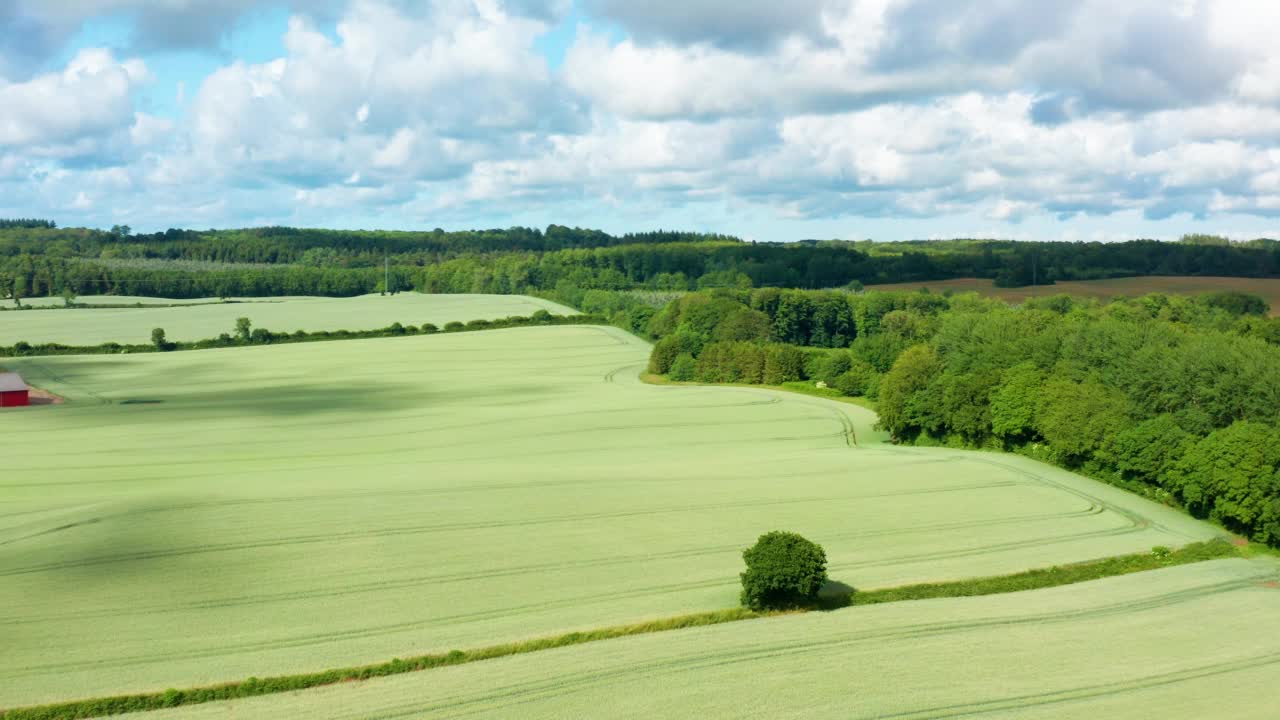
x,y
209,318
1267,288
193,517
1184,643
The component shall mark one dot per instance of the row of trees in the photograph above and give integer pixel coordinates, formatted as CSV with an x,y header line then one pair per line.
x,y
43,259
26,223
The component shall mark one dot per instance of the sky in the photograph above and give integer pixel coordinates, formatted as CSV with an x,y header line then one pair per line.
x,y
773,121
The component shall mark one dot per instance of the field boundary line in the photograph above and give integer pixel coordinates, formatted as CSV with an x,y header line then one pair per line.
x,y
1028,580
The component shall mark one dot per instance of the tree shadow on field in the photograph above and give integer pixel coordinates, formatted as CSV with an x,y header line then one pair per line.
x,y
835,595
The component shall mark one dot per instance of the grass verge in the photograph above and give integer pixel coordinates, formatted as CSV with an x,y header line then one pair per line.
x,y
1030,580
1041,578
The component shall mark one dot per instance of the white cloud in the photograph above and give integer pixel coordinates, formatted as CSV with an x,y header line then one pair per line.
x,y
91,97
1001,111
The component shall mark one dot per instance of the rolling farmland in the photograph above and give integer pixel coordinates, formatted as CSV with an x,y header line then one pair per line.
x,y
1188,642
201,319
1267,288
195,517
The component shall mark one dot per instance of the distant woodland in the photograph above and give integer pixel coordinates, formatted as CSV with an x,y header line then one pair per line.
x,y
37,258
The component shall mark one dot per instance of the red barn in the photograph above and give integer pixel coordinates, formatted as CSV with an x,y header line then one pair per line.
x,y
13,392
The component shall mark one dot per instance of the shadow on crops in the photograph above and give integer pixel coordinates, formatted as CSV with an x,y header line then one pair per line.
x,y
835,595
117,544
215,388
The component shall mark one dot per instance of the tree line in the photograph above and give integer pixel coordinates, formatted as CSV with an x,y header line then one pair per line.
x,y
44,260
1173,397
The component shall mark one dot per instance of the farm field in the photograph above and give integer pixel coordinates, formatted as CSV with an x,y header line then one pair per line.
x,y
1268,288
209,318
193,517
1182,643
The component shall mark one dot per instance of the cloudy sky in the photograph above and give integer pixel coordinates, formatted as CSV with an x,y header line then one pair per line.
x,y
890,119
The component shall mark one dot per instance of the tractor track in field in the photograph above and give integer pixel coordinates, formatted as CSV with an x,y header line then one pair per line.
x,y
358,631
358,588
770,397
909,631
329,537
516,694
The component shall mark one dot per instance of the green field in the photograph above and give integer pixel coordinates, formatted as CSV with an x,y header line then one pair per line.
x,y
207,318
1184,643
202,516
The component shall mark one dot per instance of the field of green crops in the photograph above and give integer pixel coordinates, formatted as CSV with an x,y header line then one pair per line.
x,y
200,319
201,516
1187,643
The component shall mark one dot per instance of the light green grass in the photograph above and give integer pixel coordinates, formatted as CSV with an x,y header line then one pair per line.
x,y
208,318
1184,643
863,430
271,510
832,596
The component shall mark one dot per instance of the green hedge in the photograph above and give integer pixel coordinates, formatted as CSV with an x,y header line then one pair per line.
x,y
262,336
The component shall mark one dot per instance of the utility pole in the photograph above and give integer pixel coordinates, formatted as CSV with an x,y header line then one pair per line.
x,y
386,274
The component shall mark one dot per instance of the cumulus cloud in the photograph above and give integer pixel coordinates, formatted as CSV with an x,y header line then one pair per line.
x,y
1000,110
431,92
57,112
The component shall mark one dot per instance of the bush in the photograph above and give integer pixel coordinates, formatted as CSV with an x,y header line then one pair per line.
x,y
784,570
857,380
453,326
682,370
666,350
429,329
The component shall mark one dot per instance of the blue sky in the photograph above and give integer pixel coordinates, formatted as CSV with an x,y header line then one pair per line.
x,y
888,119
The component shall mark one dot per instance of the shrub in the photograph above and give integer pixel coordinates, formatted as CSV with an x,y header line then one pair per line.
x,y
453,326
857,380
541,316
784,570
429,329
666,350
682,370
782,363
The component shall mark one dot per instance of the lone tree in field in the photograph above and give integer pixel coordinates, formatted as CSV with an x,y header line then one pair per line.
x,y
243,329
158,339
784,570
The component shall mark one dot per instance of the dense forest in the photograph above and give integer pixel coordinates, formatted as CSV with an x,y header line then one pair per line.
x,y
38,258
1173,397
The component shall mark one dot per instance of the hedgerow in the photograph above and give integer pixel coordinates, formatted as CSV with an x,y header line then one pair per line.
x,y
262,336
